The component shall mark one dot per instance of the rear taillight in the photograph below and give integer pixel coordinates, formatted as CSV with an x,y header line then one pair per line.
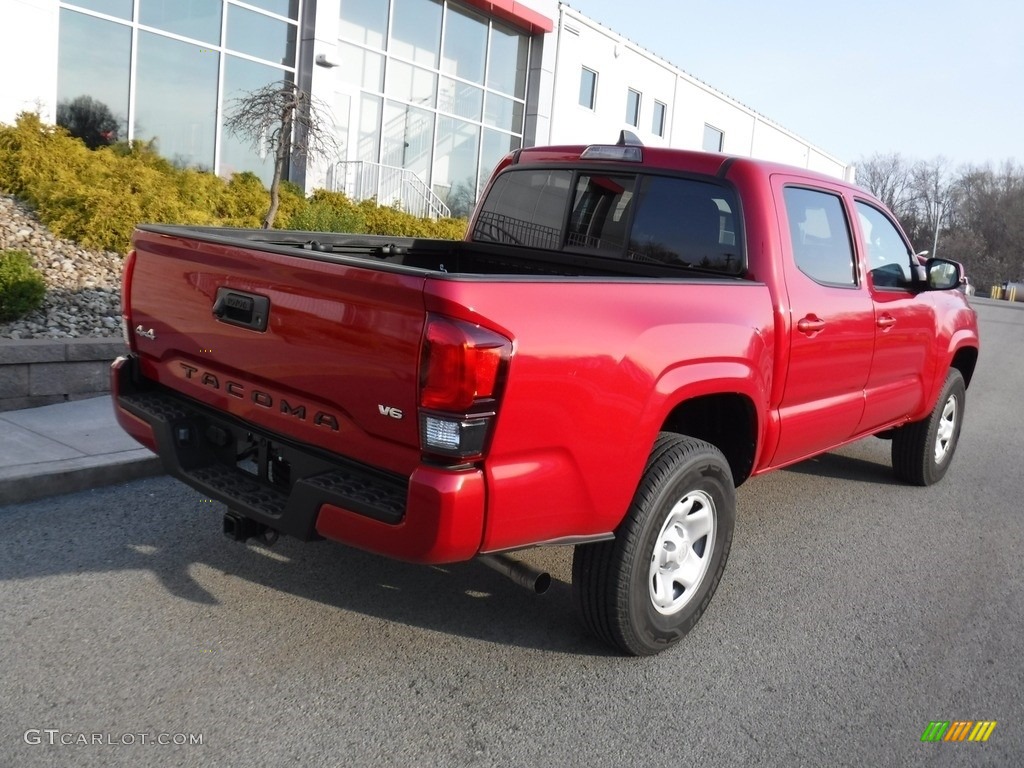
x,y
462,372
126,299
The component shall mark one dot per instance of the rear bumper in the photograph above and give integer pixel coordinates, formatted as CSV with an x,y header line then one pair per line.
x,y
434,516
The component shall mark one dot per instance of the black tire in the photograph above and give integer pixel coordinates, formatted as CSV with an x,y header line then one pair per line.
x,y
922,451
685,504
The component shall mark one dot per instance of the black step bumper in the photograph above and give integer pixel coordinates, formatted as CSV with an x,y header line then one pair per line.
x,y
279,483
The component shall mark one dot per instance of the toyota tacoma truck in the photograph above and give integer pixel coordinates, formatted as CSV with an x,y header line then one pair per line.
x,y
625,334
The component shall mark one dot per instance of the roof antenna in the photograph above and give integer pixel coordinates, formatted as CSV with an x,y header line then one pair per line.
x,y
629,139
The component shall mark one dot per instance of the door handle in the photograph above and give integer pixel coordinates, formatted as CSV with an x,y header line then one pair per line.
x,y
886,322
810,325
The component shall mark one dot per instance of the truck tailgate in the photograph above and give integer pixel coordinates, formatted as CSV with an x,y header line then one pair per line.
x,y
318,349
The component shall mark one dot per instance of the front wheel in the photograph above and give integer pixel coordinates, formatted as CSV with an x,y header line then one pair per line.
x,y
644,590
922,451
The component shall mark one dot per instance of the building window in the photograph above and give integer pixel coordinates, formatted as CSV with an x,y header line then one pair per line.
x,y
588,88
168,72
365,22
361,68
197,21
176,100
416,31
243,75
714,139
633,107
658,121
122,9
261,36
94,60
465,45
453,83
458,143
508,61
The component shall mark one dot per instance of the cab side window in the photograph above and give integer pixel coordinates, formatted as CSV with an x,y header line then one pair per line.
x,y
820,233
887,253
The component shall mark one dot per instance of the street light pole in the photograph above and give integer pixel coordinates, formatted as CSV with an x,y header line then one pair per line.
x,y
937,208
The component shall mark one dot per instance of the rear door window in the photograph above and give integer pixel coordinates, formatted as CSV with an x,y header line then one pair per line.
x,y
820,234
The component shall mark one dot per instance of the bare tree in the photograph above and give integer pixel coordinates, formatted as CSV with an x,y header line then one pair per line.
x,y
933,195
889,178
919,193
286,120
985,225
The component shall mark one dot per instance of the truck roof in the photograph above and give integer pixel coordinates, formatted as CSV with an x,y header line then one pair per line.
x,y
692,161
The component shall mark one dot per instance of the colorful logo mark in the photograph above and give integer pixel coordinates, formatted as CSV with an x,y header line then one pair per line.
x,y
958,730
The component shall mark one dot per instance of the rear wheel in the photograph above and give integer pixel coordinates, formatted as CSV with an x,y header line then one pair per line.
x,y
644,590
922,451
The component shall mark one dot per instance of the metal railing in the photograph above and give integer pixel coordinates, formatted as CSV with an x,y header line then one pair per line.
x,y
389,185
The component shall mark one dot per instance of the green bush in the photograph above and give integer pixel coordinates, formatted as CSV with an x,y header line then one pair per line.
x,y
382,220
243,203
328,212
334,212
22,288
447,229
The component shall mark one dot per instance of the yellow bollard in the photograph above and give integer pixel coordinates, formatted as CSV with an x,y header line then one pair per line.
x,y
997,292
1011,295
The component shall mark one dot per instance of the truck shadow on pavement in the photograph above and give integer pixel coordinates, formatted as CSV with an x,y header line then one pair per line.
x,y
840,466
172,533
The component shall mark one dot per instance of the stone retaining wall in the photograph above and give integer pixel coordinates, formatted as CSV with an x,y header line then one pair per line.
x,y
42,372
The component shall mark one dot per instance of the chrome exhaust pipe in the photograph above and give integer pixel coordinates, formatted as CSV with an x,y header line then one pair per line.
x,y
522,574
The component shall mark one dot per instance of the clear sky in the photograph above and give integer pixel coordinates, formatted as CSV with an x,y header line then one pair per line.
x,y
924,78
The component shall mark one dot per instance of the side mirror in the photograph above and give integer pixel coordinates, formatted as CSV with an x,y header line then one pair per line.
x,y
944,274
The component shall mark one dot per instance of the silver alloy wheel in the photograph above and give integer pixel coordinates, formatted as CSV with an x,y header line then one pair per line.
x,y
947,429
682,552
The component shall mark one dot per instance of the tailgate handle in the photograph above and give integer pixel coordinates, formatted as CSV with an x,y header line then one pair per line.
x,y
246,310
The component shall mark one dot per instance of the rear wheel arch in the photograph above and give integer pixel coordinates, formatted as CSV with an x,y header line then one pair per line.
x,y
642,591
728,421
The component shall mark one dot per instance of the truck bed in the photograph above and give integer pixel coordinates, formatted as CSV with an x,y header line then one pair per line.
x,y
456,258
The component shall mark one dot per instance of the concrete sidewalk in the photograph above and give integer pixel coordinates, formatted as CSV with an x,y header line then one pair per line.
x,y
67,447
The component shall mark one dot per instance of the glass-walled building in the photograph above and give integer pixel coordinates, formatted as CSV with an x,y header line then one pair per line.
x,y
424,96
437,88
431,86
166,71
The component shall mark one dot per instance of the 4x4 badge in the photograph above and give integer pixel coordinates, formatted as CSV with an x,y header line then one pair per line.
x,y
150,334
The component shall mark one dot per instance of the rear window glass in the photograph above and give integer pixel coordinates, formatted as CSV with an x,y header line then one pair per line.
x,y
688,223
599,213
525,208
667,220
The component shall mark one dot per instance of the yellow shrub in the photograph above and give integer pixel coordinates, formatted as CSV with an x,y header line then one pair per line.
x,y
381,220
96,197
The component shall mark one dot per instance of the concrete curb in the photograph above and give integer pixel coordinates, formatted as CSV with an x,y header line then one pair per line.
x,y
53,478
67,447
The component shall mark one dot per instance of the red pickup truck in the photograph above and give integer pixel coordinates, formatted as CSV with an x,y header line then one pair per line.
x,y
625,335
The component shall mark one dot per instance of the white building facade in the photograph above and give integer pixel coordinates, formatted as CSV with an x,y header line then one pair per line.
x,y
604,82
425,95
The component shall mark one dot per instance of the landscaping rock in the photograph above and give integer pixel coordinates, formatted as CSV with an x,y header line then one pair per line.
x,y
83,296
